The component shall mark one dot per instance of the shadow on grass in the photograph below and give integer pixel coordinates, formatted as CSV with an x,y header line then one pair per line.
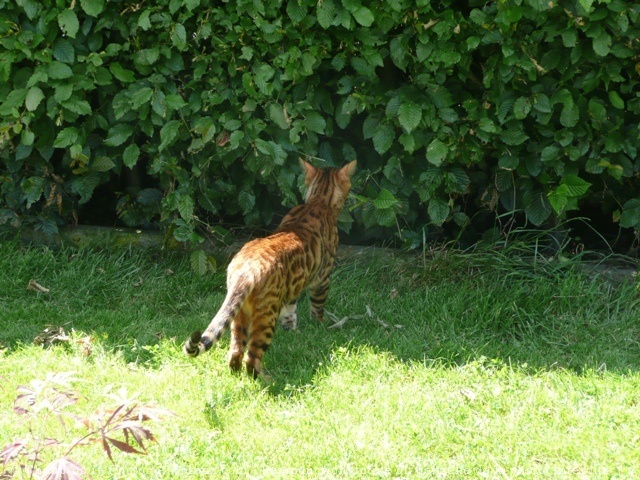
x,y
450,310
471,308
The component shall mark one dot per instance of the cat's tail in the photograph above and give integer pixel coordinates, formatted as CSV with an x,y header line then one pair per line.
x,y
201,342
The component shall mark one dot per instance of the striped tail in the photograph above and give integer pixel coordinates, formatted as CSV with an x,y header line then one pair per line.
x,y
201,342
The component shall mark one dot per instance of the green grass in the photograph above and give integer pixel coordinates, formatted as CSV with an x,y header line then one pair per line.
x,y
487,368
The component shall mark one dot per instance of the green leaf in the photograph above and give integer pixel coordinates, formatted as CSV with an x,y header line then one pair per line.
x,y
315,122
409,116
558,201
438,210
168,134
550,153
66,137
408,142
458,180
118,134
598,111
383,138
33,188
536,207
191,4
521,108
59,71
570,115
514,136
102,164
602,44
186,206
122,74
296,12
504,108
63,51
385,217
630,217
363,16
149,196
33,99
174,5
246,200
68,22
27,137
140,97
615,100
174,101
399,51
278,116
38,76
487,125
574,185
437,152
326,13
385,199
147,56
144,21
370,126
130,155
201,264
85,186
586,4
92,8
540,5
542,103
179,36
76,105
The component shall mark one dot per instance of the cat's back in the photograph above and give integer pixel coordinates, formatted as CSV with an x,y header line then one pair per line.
x,y
267,253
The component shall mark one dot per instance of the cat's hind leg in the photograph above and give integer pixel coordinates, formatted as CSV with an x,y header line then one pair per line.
x,y
239,327
260,336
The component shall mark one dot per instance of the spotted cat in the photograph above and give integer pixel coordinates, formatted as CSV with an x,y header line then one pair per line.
x,y
266,277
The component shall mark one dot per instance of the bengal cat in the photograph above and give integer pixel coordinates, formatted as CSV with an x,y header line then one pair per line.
x,y
265,278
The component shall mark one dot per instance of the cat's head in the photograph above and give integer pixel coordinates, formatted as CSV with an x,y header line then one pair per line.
x,y
328,185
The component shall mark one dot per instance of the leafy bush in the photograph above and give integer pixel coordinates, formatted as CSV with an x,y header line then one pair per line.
x,y
192,111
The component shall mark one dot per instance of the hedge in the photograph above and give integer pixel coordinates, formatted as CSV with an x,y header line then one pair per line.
x,y
195,112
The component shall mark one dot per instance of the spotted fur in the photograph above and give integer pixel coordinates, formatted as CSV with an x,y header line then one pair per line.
x,y
266,277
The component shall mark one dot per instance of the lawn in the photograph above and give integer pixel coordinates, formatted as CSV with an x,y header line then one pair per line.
x,y
449,365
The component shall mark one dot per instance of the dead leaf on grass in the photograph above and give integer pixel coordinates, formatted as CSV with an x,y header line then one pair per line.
x,y
468,394
36,287
86,343
51,335
339,323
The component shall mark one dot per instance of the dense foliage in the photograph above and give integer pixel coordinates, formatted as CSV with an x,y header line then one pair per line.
x,y
190,110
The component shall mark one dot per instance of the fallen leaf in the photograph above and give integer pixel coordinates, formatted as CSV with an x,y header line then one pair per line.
x,y
382,324
51,335
36,287
339,323
85,342
468,394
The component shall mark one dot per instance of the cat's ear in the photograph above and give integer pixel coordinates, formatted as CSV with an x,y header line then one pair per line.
x,y
349,169
309,171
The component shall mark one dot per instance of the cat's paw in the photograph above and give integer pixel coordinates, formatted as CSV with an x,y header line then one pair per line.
x,y
289,322
289,317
